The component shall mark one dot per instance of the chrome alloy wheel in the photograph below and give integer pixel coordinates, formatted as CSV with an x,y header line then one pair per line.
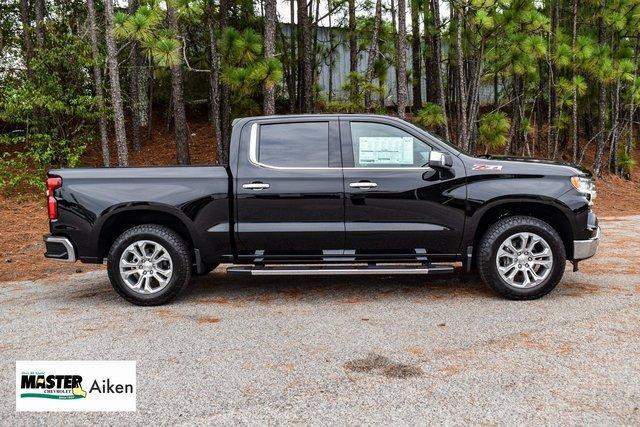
x,y
524,260
146,267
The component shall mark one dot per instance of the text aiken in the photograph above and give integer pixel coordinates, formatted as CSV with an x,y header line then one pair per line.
x,y
107,387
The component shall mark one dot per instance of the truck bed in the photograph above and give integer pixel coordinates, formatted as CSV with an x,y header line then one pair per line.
x,y
96,202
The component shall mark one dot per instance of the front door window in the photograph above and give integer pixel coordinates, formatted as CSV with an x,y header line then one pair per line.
x,y
381,145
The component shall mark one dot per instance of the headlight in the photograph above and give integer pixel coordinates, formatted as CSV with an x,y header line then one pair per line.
x,y
585,186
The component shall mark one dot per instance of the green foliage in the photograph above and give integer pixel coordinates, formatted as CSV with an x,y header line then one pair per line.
x,y
245,70
145,26
626,162
493,130
431,116
166,51
343,107
55,111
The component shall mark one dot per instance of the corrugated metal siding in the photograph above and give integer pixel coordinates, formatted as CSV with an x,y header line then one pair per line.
x,y
341,69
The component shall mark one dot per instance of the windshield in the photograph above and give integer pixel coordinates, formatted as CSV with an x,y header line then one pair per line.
x,y
433,135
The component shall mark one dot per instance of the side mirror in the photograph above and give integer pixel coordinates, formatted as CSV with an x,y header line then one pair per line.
x,y
438,160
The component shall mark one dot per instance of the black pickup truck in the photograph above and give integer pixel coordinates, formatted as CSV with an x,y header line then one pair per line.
x,y
326,194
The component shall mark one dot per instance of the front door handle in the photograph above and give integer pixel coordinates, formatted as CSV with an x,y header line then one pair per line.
x,y
255,186
363,184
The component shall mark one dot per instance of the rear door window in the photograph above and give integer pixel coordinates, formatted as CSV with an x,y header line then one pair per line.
x,y
294,144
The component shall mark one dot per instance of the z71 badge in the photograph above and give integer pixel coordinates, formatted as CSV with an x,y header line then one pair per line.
x,y
482,167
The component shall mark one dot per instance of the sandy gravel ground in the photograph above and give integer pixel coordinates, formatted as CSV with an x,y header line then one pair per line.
x,y
319,350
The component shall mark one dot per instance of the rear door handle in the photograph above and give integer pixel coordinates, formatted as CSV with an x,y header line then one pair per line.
x,y
255,186
363,184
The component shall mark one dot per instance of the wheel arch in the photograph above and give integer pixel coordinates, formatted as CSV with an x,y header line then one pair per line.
x,y
116,222
547,211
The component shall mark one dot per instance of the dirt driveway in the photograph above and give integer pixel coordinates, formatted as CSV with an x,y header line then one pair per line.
x,y
349,349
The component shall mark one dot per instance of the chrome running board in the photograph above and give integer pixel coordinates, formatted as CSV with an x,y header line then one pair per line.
x,y
326,270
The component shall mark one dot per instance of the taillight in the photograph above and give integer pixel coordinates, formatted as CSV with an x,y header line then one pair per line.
x,y
53,183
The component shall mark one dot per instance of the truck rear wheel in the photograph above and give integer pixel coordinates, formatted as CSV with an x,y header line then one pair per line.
x,y
149,264
521,258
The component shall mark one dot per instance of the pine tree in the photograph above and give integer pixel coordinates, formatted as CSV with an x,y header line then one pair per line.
x,y
177,94
114,78
415,54
402,59
305,58
97,80
214,82
373,53
134,86
269,52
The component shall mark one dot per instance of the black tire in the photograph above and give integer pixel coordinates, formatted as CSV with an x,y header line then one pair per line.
x,y
206,269
175,246
497,234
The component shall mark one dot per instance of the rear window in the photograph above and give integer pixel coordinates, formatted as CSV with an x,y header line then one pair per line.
x,y
294,144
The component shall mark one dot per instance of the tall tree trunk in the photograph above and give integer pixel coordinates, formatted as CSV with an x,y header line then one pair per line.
x,y
292,60
270,17
540,114
27,44
373,52
437,59
331,53
574,107
474,97
114,79
214,82
415,55
602,104
40,12
134,88
394,29
552,132
615,115
177,91
353,48
97,79
304,55
463,137
314,51
515,133
225,94
402,59
150,98
431,37
632,108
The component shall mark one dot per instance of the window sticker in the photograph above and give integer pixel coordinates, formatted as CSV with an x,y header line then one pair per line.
x,y
394,150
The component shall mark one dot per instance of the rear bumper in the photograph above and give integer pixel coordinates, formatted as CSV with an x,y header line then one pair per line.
x,y
59,248
583,249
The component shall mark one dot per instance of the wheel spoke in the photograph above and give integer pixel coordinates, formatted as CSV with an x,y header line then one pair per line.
x,y
544,263
502,253
161,280
129,264
147,284
512,248
128,273
138,283
532,243
545,252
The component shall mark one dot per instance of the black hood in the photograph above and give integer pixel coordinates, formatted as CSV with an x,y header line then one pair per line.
x,y
530,160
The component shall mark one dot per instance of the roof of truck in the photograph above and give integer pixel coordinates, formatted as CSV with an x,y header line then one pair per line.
x,y
301,116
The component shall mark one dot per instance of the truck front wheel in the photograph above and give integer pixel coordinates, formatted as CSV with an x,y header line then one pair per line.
x,y
149,264
521,257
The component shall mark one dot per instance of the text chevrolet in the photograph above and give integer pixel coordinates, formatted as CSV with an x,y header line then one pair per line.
x,y
326,194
